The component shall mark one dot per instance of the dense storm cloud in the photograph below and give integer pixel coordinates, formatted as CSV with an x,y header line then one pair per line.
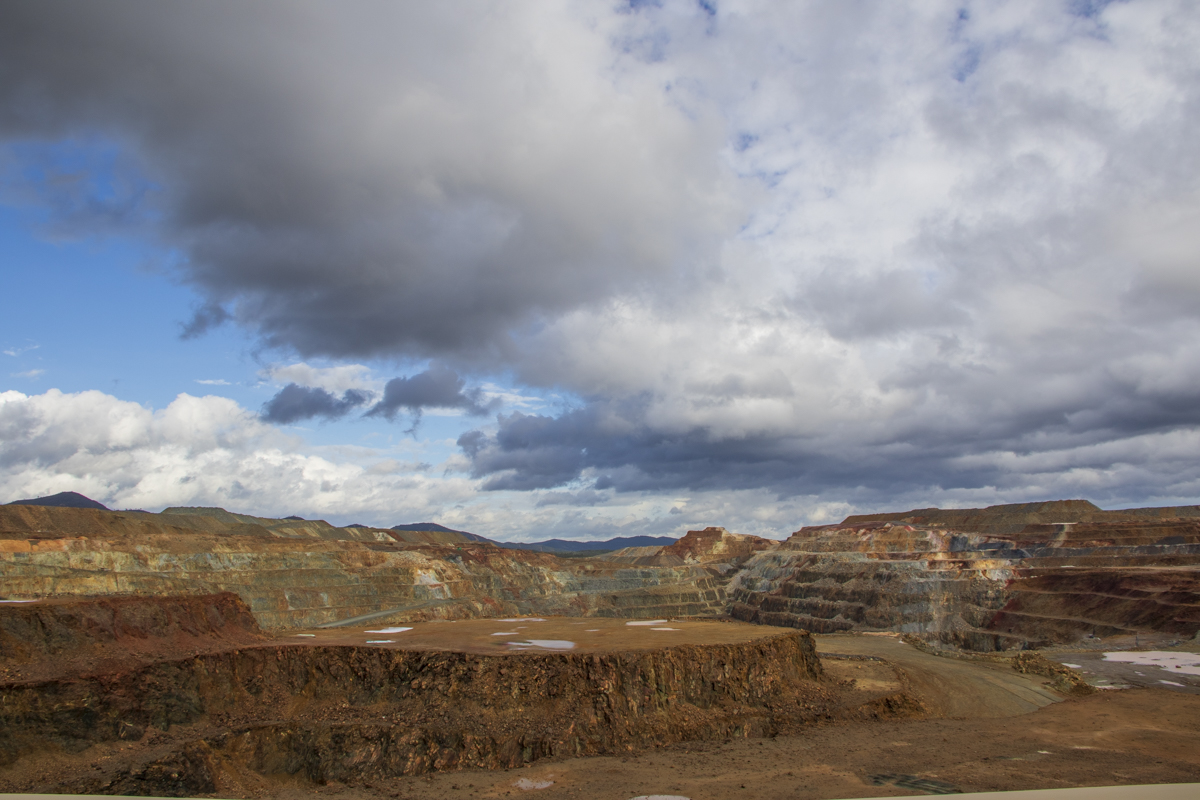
x,y
437,387
293,403
842,255
385,179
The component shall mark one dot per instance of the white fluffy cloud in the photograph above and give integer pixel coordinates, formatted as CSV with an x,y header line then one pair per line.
x,y
201,451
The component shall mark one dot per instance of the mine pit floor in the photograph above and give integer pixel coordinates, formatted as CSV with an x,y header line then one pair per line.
x,y
1111,738
534,634
1177,671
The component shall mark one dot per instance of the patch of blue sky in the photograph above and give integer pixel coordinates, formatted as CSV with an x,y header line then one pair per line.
x,y
967,62
744,141
92,304
91,313
76,187
1088,9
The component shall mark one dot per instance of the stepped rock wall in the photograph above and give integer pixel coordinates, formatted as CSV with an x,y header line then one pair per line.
x,y
1042,584
1016,517
307,581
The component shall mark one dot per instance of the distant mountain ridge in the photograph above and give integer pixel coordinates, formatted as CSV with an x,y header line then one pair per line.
x,y
433,526
572,546
61,500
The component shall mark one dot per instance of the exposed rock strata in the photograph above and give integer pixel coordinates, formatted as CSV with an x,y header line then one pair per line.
x,y
1016,517
981,579
714,546
294,581
356,714
50,639
1042,584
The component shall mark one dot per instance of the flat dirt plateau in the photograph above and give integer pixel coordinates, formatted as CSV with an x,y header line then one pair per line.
x,y
186,697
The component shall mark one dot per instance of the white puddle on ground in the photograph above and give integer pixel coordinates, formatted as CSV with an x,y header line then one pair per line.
x,y
18,601
661,797
664,629
1170,683
522,619
545,644
505,633
306,635
381,641
592,630
1073,666
647,622
391,630
1178,663
526,784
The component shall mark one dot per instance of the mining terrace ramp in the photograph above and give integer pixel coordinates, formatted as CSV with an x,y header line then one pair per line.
x,y
949,687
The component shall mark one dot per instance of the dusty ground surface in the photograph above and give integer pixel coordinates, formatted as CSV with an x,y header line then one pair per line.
x,y
1137,736
536,634
947,686
988,728
1164,664
998,730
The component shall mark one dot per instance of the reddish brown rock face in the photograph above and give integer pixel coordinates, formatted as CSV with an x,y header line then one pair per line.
x,y
291,579
973,578
62,636
169,721
1004,578
717,545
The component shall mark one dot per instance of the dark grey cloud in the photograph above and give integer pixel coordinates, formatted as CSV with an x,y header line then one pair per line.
x,y
584,498
437,387
362,180
625,447
294,403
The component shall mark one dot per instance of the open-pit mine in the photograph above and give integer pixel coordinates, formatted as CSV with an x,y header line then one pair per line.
x,y
200,652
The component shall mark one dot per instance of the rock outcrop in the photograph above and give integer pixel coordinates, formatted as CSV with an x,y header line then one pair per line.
x,y
717,546
1025,583
195,722
292,579
982,579
714,547
67,635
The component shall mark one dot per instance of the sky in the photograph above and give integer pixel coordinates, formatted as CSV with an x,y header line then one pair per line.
x,y
594,269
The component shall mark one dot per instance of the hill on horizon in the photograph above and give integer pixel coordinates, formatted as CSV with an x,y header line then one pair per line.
x,y
570,545
62,500
433,526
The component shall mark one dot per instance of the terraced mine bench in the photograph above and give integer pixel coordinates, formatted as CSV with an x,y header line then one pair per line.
x,y
184,696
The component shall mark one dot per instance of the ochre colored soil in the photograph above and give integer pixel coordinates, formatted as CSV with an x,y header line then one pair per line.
x,y
61,637
1132,737
711,710
591,635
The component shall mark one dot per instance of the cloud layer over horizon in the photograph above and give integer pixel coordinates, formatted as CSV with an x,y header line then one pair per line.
x,y
825,257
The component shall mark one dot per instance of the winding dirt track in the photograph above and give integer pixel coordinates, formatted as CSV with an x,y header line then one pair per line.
x,y
948,687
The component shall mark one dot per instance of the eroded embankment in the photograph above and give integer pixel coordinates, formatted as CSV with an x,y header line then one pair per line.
x,y
356,714
66,636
